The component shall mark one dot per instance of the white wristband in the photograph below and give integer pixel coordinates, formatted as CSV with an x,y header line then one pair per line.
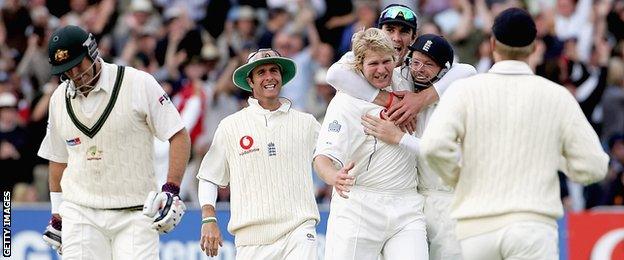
x,y
56,198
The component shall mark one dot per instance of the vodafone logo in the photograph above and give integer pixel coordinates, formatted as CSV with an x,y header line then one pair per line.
x,y
605,246
246,142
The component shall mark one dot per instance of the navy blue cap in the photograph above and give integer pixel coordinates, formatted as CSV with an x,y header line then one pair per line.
x,y
436,47
514,27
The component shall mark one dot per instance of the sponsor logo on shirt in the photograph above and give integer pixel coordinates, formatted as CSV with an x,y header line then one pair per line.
x,y
272,151
164,99
310,237
246,142
73,142
334,126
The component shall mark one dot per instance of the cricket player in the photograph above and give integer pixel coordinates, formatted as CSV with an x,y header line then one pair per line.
x,y
400,23
375,208
264,153
102,121
514,130
429,58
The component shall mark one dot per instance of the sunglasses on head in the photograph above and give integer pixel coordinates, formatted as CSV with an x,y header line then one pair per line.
x,y
266,53
399,12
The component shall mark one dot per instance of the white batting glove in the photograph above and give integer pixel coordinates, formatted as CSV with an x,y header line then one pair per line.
x,y
165,208
52,234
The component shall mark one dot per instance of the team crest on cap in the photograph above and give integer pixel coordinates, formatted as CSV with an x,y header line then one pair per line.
x,y
427,45
61,55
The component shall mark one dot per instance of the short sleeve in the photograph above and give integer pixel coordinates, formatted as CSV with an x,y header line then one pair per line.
x,y
161,115
53,146
334,135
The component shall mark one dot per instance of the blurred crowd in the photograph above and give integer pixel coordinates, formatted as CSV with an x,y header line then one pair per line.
x,y
192,47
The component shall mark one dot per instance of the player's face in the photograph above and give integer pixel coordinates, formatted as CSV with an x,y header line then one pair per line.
x,y
401,35
422,67
377,68
83,73
266,81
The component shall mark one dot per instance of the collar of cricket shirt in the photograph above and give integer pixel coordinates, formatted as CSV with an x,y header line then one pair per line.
x,y
511,67
255,105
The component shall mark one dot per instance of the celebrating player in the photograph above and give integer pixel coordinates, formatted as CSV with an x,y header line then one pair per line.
x,y
375,209
400,24
429,59
264,153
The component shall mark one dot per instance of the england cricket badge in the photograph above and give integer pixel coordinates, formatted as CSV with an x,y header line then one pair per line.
x,y
271,148
334,126
94,154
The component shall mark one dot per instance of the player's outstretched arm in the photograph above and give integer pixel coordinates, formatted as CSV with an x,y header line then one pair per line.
x,y
340,179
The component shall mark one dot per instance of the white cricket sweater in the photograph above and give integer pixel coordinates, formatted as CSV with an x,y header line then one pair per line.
x,y
112,169
514,128
266,158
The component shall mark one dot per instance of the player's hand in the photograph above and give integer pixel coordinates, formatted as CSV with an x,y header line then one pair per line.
x,y
409,126
408,107
342,180
165,208
52,234
210,239
385,130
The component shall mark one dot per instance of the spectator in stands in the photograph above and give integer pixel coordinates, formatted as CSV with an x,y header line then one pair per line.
x,y
13,144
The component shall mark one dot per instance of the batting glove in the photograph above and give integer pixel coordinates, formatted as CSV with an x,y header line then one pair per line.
x,y
52,234
165,208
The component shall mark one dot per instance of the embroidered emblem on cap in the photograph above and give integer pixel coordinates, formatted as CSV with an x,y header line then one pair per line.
x,y
427,45
61,55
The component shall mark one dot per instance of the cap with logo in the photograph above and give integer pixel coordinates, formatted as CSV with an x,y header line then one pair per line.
x,y
261,57
68,46
436,47
396,13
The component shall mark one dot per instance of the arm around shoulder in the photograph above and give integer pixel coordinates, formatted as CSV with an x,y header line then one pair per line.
x,y
457,71
343,77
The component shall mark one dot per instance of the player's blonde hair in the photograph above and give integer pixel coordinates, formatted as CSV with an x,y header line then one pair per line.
x,y
371,39
514,53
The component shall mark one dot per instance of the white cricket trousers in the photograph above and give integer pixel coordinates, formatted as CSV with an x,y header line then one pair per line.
x,y
372,223
443,243
300,244
527,240
106,234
